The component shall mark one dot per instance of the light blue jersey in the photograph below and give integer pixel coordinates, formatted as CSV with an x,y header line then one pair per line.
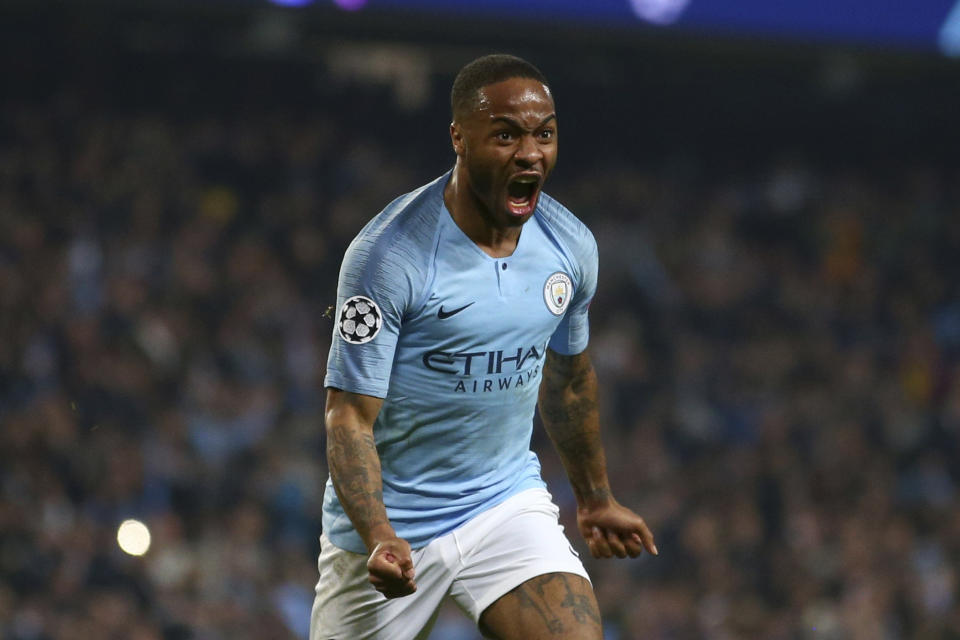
x,y
454,341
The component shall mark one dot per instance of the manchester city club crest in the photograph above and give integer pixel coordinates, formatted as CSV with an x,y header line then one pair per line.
x,y
359,320
557,291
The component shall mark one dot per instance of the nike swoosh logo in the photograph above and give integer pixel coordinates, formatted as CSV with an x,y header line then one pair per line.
x,y
443,315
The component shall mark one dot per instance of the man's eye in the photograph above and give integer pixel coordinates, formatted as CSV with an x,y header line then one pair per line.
x,y
505,136
546,134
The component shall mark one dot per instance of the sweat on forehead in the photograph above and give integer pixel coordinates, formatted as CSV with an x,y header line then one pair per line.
x,y
465,95
531,93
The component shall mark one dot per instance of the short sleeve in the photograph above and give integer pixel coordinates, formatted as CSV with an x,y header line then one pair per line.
x,y
373,292
573,332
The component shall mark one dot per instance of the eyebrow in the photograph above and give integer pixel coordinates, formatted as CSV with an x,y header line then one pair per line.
x,y
516,123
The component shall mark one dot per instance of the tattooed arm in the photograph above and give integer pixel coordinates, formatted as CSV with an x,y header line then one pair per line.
x,y
355,471
568,408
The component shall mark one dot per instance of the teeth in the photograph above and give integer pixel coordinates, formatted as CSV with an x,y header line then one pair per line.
x,y
526,179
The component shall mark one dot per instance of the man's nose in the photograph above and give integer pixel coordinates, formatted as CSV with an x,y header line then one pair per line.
x,y
529,152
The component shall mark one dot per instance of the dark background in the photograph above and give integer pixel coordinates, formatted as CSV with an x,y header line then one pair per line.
x,y
776,331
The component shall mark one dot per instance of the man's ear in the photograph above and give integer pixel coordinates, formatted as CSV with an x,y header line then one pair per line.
x,y
456,139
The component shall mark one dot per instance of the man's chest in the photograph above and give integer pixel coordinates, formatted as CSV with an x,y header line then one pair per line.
x,y
483,303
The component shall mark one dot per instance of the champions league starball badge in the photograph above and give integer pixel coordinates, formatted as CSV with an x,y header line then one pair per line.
x,y
359,320
557,291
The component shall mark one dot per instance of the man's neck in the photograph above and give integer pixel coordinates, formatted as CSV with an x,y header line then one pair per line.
x,y
471,216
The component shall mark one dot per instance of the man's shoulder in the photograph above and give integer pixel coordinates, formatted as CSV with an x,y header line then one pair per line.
x,y
412,216
404,232
559,222
390,258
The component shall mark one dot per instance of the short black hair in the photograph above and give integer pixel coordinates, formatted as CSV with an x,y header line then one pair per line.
x,y
488,70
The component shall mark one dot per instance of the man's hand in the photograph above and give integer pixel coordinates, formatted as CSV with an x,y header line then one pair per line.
x,y
391,568
613,530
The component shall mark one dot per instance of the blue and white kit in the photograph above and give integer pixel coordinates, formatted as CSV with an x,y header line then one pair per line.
x,y
454,341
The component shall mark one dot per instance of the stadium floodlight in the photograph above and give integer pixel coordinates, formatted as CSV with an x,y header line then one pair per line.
x,y
133,537
660,12
350,5
949,37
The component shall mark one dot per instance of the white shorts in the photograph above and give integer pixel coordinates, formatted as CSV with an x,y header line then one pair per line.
x,y
501,548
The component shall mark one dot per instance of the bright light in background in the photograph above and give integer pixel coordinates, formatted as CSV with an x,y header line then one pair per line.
x,y
659,11
292,3
350,5
133,537
950,33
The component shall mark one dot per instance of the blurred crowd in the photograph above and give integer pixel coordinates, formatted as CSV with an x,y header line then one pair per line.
x,y
778,347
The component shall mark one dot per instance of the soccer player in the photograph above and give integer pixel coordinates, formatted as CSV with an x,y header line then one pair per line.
x,y
460,306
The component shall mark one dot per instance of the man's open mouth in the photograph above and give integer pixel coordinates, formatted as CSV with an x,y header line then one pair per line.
x,y
522,195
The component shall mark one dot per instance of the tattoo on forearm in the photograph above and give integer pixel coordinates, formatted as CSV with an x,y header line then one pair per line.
x,y
355,471
568,407
598,494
